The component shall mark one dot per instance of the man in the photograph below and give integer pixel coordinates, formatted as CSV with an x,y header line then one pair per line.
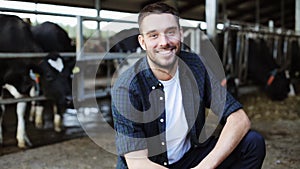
x,y
159,106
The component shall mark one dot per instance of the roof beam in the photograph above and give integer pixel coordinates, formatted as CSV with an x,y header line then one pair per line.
x,y
190,5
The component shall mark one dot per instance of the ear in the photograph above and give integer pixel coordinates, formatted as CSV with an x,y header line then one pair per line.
x,y
142,41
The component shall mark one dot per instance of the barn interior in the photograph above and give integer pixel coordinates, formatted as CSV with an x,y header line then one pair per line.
x,y
249,11
278,120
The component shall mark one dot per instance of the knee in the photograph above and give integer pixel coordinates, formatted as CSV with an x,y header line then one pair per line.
x,y
255,138
255,143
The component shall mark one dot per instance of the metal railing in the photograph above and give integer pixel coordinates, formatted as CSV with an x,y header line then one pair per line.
x,y
80,55
32,55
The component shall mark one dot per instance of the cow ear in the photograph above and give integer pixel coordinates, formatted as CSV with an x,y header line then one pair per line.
x,y
142,41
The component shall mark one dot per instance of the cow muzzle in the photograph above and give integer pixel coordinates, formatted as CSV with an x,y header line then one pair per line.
x,y
69,101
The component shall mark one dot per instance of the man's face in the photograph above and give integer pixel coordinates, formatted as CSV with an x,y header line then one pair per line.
x,y
160,37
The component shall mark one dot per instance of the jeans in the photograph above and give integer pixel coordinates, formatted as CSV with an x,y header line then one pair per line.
x,y
249,154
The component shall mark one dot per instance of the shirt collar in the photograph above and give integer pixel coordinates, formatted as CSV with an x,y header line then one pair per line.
x,y
146,72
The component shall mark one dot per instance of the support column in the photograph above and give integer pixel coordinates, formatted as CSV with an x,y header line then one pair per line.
x,y
282,14
78,91
297,17
211,10
257,14
224,11
98,7
79,37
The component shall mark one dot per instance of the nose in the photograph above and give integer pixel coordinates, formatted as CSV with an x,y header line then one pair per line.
x,y
163,40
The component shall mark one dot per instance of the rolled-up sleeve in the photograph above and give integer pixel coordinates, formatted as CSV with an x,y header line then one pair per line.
x,y
231,105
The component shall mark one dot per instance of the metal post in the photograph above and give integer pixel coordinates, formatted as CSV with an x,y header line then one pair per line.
x,y
224,10
257,17
297,17
198,40
271,25
211,17
282,14
79,83
79,37
97,5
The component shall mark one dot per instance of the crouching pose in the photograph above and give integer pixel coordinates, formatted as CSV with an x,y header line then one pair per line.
x,y
159,107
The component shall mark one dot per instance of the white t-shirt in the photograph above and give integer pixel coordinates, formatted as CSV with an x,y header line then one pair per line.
x,y
176,125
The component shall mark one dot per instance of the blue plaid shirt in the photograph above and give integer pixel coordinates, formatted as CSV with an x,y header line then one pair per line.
x,y
138,107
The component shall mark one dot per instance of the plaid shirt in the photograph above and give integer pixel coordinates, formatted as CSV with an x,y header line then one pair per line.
x,y
138,107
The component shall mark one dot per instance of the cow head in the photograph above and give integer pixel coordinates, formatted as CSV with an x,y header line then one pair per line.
x,y
277,85
56,80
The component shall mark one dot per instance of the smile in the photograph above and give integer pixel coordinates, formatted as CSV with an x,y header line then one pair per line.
x,y
165,52
168,51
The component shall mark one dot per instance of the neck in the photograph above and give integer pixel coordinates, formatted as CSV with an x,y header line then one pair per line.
x,y
163,73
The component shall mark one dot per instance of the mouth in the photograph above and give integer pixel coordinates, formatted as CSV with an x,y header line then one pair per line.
x,y
167,51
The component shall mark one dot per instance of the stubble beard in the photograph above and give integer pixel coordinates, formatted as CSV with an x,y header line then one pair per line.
x,y
158,63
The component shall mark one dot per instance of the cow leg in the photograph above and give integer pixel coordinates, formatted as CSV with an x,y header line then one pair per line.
x,y
39,117
21,133
57,119
33,104
21,108
36,110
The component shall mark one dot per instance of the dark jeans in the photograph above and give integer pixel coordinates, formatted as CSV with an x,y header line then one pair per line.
x,y
249,154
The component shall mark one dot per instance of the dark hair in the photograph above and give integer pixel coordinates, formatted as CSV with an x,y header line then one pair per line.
x,y
157,8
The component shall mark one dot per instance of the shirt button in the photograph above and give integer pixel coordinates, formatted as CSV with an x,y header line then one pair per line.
x,y
153,87
163,143
159,84
165,163
162,120
161,98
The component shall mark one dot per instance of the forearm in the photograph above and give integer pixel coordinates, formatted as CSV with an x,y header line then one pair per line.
x,y
139,160
235,129
144,164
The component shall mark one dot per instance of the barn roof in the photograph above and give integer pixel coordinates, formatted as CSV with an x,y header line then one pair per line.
x,y
282,12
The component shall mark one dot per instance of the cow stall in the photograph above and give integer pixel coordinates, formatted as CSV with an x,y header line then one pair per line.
x,y
261,57
30,75
100,88
82,68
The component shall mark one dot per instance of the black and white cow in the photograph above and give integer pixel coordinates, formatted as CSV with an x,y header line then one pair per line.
x,y
125,41
52,38
295,64
55,85
263,69
250,56
15,74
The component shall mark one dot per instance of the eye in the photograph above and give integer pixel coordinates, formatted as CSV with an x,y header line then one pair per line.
x,y
171,33
153,35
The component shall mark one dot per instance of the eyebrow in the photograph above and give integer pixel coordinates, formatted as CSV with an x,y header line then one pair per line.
x,y
152,31
149,32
